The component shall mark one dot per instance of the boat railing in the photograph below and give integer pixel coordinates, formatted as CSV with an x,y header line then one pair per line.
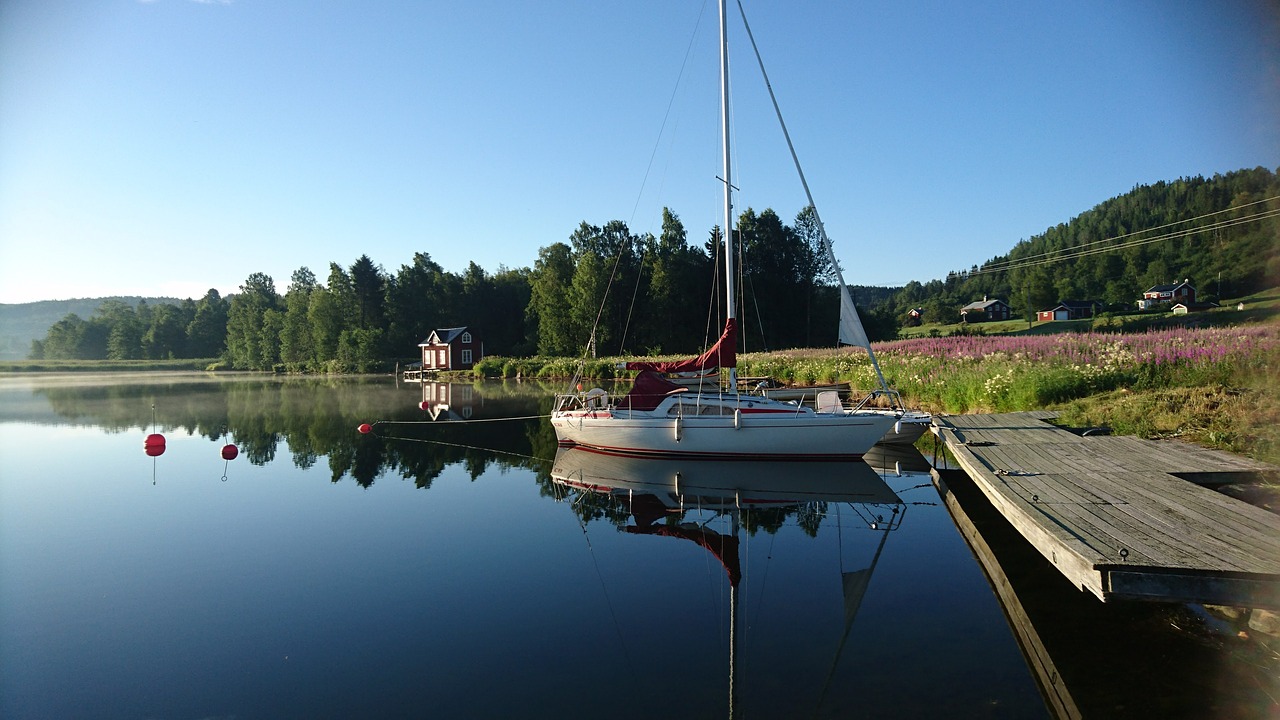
x,y
593,399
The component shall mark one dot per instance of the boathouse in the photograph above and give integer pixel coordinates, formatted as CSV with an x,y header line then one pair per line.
x,y
457,348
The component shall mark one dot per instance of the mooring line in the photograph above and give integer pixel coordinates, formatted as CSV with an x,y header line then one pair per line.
x,y
456,422
467,447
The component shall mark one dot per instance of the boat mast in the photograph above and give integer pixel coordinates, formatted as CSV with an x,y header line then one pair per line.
x,y
730,306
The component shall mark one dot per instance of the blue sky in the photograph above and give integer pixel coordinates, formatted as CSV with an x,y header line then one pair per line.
x,y
170,146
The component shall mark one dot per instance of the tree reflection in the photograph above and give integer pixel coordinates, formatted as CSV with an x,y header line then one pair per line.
x,y
317,418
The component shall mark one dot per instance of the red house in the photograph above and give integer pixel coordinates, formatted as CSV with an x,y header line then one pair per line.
x,y
457,348
1168,294
1070,310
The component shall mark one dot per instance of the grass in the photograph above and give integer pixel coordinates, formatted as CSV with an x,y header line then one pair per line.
x,y
62,366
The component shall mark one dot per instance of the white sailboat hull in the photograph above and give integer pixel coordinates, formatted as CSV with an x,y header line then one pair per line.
x,y
909,426
756,429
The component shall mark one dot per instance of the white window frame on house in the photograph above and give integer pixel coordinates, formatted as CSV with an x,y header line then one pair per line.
x,y
466,338
466,356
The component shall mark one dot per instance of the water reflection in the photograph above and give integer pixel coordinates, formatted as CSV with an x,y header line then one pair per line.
x,y
710,504
315,418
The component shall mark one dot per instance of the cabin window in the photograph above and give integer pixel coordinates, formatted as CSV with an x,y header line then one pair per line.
x,y
466,357
466,338
440,359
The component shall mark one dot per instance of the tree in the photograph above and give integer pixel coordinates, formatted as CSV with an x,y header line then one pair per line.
x,y
123,330
297,349
166,337
368,287
548,289
415,303
246,319
207,331
65,339
814,265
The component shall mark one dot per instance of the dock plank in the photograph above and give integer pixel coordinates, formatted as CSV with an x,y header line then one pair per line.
x,y
1113,516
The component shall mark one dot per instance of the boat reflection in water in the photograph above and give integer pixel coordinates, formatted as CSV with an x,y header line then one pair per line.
x,y
708,503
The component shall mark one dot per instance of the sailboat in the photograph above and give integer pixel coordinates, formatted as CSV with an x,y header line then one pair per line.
x,y
659,418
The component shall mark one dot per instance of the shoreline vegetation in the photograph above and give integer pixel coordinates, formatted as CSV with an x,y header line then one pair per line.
x,y
1213,385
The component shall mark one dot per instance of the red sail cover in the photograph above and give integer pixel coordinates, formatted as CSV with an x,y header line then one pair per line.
x,y
721,355
648,392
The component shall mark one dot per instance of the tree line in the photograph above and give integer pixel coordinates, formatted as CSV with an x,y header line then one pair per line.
x,y
607,289
610,291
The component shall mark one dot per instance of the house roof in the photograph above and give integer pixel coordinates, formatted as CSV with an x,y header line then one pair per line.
x,y
443,336
983,304
1168,287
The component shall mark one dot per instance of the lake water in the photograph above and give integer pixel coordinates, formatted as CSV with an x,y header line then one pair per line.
x,y
454,565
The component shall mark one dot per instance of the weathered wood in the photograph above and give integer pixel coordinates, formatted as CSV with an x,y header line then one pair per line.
x,y
1112,514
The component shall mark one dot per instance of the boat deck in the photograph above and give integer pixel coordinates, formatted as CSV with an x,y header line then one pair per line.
x,y
1123,517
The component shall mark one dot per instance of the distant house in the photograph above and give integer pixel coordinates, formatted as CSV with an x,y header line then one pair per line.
x,y
915,316
1167,295
985,311
1070,310
457,348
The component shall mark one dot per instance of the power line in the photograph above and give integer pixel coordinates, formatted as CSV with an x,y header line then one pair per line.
x,y
1092,249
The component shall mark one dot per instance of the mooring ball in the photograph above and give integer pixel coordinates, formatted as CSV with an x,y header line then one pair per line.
x,y
155,450
229,452
365,428
153,440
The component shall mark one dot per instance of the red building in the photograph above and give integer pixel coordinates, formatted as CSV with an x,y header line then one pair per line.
x,y
1168,294
457,348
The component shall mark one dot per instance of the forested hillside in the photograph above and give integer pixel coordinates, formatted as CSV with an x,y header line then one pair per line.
x,y
21,323
1220,233
613,292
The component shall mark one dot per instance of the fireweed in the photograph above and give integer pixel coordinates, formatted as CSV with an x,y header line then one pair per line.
x,y
1008,373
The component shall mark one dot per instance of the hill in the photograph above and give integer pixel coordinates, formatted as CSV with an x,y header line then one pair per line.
x,y
21,323
1222,234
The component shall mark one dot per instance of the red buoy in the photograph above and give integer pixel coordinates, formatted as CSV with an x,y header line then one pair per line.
x,y
424,405
365,428
154,444
229,452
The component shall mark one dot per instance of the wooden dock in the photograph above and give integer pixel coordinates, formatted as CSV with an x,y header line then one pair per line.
x,y
1117,516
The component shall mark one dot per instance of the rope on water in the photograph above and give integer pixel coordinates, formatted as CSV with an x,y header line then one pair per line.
x,y
467,447
455,422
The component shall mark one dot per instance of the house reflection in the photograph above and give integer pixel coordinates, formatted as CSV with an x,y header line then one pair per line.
x,y
449,401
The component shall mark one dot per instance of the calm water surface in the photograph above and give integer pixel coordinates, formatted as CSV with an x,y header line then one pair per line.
x,y
451,569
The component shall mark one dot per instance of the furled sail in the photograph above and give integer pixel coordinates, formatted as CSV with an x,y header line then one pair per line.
x,y
721,355
851,332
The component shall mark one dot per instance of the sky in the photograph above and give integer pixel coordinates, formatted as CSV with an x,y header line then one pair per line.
x,y
166,147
